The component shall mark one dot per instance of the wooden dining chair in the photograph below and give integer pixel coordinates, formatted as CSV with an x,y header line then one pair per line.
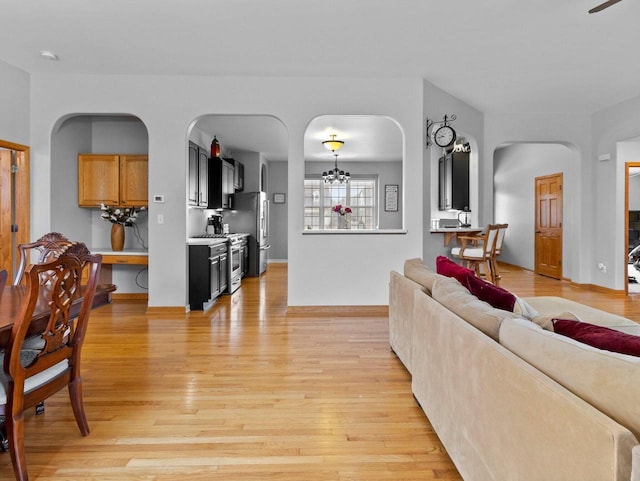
x,y
497,250
476,251
4,275
49,246
32,375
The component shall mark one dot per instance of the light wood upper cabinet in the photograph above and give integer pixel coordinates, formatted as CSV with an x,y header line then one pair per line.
x,y
111,179
134,180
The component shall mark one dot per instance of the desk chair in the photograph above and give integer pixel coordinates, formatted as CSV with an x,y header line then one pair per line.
x,y
49,246
31,375
476,251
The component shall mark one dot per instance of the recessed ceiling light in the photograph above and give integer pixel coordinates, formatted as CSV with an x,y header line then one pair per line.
x,y
48,55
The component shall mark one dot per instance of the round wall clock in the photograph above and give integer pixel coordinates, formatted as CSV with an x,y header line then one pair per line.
x,y
444,136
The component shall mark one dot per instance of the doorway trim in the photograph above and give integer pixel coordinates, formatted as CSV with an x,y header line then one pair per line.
x,y
18,211
627,167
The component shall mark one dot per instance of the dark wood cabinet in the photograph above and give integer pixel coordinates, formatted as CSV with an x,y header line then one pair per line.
x,y
453,181
198,176
221,183
238,176
208,271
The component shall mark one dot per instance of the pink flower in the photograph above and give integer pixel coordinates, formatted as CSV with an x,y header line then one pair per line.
x,y
341,210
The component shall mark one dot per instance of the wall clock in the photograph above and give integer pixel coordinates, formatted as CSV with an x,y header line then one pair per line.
x,y
444,136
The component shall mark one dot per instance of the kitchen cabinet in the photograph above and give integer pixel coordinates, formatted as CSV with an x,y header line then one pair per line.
x,y
112,179
221,183
453,181
198,176
238,176
207,274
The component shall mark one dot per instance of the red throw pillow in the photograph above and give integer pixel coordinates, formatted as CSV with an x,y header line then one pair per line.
x,y
485,291
598,336
447,267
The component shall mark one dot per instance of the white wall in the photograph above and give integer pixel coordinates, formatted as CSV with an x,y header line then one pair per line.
x,y
16,103
515,168
278,219
167,107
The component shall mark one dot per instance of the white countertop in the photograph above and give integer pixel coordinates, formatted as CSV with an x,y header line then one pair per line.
x,y
207,241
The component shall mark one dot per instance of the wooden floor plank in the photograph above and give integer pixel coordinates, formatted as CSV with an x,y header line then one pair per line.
x,y
246,392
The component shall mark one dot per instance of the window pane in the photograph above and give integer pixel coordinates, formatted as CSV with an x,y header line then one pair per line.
x,y
320,198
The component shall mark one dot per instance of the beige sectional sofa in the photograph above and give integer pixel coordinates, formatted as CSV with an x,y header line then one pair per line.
x,y
509,400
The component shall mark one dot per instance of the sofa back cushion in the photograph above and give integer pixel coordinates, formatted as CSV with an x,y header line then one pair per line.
x,y
455,297
415,270
606,380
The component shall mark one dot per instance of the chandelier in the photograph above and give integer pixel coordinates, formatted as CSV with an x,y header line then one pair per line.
x,y
336,175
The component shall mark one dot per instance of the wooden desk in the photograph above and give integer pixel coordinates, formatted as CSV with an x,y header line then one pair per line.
x,y
123,258
454,232
11,299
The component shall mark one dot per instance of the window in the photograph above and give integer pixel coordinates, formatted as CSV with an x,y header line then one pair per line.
x,y
359,194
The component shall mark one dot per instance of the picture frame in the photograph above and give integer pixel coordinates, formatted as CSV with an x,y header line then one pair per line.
x,y
391,198
279,198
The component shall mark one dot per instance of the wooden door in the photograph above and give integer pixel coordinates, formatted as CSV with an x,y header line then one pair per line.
x,y
14,202
98,180
548,226
134,180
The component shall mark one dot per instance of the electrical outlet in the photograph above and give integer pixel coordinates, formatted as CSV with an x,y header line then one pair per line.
x,y
160,219
602,267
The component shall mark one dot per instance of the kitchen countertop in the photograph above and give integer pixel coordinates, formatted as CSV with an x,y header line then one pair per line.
x,y
107,251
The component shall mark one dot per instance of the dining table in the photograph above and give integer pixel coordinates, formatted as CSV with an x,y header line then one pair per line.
x,y
12,297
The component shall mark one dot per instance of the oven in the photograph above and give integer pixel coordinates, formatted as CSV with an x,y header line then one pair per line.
x,y
235,262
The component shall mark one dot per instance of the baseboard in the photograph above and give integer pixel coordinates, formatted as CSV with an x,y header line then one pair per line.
x,y
166,310
130,296
601,289
338,311
590,287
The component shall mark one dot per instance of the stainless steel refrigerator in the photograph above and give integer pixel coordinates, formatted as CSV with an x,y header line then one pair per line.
x,y
250,215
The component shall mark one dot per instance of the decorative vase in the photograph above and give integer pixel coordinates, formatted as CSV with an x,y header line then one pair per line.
x,y
344,221
117,237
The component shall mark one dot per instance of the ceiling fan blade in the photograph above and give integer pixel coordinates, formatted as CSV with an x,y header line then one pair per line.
x,y
604,5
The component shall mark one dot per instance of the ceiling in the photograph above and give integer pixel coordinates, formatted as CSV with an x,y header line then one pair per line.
x,y
499,56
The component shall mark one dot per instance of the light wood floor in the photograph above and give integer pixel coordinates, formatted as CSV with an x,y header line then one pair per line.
x,y
247,393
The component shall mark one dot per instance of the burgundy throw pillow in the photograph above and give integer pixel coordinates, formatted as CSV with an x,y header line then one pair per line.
x,y
598,336
485,291
447,267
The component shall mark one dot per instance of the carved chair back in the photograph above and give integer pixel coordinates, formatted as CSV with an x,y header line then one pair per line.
x,y
48,247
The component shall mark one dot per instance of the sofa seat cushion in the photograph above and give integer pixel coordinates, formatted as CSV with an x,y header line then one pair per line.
x,y
415,270
606,380
455,297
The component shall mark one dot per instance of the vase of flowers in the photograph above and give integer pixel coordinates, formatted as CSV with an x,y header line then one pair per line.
x,y
344,217
119,218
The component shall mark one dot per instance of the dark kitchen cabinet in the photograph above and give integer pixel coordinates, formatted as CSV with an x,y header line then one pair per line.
x,y
238,176
453,181
221,182
207,274
198,176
